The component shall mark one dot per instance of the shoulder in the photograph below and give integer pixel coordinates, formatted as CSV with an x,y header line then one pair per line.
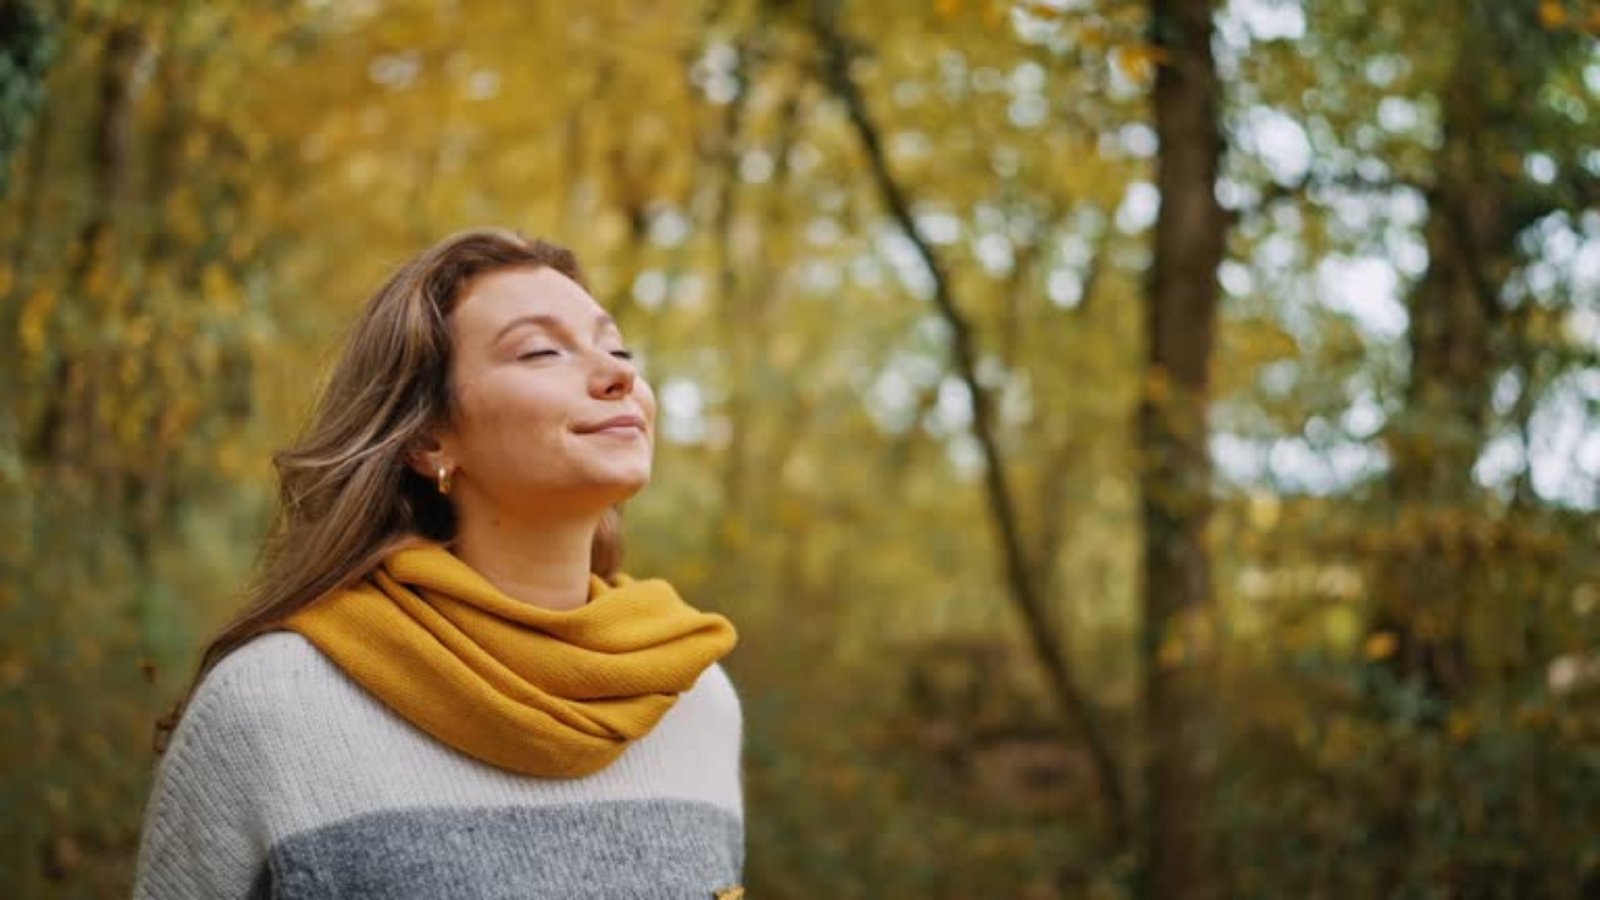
x,y
706,724
713,693
715,677
272,687
266,662
260,655
208,822
272,668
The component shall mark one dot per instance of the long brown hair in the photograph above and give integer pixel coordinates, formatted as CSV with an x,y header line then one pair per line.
x,y
347,497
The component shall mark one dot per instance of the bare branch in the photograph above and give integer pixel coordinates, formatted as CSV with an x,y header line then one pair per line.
x,y
835,68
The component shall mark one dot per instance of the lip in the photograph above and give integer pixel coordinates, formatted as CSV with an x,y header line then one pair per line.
x,y
616,423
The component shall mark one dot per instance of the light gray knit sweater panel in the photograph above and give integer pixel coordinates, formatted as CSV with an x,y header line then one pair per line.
x,y
286,779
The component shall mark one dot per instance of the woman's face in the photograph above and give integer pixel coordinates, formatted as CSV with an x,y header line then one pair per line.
x,y
550,412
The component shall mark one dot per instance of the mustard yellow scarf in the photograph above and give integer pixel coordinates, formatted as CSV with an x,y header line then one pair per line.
x,y
537,691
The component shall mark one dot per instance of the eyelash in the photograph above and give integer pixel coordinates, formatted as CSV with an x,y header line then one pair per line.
x,y
619,354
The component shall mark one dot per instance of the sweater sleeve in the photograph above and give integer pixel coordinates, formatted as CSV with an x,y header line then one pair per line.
x,y
201,836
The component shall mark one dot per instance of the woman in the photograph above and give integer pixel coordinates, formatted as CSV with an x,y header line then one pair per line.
x,y
441,686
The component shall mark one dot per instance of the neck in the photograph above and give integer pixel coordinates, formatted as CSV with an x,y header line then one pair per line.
x,y
543,563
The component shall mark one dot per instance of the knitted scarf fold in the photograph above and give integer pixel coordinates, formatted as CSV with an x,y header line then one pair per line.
x,y
556,694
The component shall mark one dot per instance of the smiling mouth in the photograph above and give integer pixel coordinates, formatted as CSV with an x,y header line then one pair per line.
x,y
619,425
625,431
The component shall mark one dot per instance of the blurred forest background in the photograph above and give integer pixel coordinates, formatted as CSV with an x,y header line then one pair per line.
x,y
1149,448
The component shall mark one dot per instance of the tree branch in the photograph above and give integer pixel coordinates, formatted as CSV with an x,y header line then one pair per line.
x,y
836,57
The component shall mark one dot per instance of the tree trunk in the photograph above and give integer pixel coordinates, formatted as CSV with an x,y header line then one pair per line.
x,y
1422,585
126,50
1178,644
1455,314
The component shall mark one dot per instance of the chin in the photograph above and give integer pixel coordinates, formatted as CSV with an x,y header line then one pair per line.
x,y
625,486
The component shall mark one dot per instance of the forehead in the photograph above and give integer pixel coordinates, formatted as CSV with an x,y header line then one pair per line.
x,y
495,299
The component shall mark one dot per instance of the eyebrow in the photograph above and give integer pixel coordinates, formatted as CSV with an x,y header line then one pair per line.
x,y
550,322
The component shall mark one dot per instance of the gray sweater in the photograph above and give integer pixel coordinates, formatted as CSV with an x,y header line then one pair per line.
x,y
287,779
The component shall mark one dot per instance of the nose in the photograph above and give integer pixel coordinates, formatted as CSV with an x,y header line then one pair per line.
x,y
612,376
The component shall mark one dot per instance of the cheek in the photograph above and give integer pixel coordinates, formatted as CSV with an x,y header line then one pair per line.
x,y
502,421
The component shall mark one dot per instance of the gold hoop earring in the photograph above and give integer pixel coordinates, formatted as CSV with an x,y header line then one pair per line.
x,y
444,479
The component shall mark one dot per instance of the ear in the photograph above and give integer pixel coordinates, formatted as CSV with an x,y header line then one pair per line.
x,y
426,455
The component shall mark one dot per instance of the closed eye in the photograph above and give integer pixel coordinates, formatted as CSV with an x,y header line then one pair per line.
x,y
622,354
533,354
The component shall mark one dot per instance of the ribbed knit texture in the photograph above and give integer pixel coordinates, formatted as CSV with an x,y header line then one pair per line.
x,y
554,693
287,779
